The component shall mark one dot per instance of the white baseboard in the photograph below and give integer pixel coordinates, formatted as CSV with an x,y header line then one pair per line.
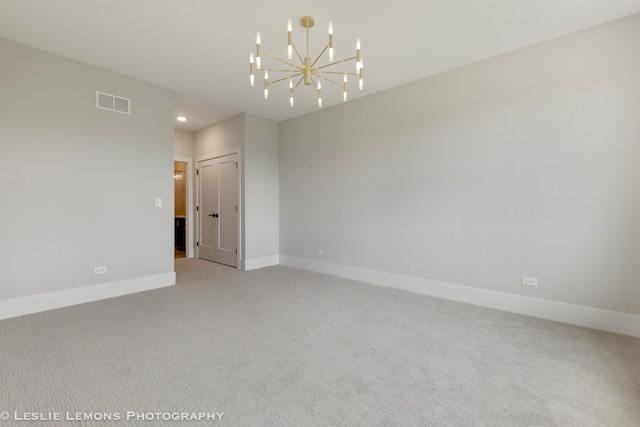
x,y
252,264
611,321
20,306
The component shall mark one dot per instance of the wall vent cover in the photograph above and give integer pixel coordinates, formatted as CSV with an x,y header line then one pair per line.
x,y
115,103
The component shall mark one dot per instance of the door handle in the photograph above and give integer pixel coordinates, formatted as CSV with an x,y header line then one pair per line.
x,y
214,215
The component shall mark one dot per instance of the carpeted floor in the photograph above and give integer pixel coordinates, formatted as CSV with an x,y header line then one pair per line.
x,y
285,347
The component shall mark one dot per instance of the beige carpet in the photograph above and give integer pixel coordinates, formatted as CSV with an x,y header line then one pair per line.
x,y
285,347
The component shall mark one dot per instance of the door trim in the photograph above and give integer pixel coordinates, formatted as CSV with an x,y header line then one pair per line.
x,y
190,175
239,218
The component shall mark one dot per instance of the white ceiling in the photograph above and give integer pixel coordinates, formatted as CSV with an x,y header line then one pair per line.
x,y
200,48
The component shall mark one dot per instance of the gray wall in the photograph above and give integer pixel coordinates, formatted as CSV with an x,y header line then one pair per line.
x,y
78,183
225,135
183,143
262,188
526,164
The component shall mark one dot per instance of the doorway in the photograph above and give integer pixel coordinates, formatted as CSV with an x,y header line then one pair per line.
x,y
180,209
218,209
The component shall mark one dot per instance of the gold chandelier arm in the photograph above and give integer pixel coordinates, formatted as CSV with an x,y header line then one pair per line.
x,y
342,73
328,80
334,63
297,53
293,89
320,56
274,70
281,60
286,78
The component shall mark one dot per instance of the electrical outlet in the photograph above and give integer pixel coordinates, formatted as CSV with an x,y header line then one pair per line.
x,y
318,251
529,281
99,270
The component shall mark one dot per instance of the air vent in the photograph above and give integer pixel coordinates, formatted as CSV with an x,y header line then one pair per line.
x,y
115,103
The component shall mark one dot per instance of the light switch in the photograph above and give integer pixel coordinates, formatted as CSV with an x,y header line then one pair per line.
x,y
158,202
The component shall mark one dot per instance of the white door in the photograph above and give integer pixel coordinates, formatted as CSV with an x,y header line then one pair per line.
x,y
218,209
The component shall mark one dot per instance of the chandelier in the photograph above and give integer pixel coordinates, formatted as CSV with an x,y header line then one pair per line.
x,y
307,72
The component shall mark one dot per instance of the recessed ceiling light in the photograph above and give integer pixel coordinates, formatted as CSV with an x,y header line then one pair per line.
x,y
182,119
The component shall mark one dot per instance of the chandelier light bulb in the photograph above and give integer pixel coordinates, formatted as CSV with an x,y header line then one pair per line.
x,y
330,41
251,68
344,86
290,43
290,91
258,51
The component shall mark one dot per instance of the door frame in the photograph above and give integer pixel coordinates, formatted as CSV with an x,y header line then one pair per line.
x,y
215,155
189,220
